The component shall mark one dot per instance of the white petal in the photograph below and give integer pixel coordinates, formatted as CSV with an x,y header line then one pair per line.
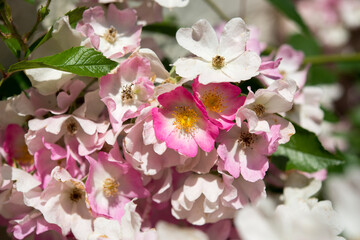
x,y
233,39
201,39
244,67
191,67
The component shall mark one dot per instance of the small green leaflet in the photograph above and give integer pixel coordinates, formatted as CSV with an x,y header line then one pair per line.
x,y
30,1
305,152
288,9
40,41
11,43
75,15
78,60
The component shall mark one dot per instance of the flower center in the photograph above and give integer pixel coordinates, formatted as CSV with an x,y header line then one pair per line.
x,y
213,101
283,73
76,193
110,187
259,109
185,119
110,35
246,139
127,93
72,126
218,62
25,158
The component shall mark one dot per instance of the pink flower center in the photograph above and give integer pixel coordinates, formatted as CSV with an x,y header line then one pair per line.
x,y
71,126
218,62
127,93
185,119
213,101
110,187
246,139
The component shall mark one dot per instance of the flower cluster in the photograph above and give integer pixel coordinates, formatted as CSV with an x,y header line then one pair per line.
x,y
139,151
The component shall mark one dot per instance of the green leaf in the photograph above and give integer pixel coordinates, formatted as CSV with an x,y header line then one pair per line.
x,y
43,12
14,85
304,43
78,60
330,116
30,1
40,41
164,28
305,152
11,43
75,15
6,9
287,7
319,74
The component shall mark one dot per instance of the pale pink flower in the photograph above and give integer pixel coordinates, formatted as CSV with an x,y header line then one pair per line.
x,y
208,198
149,12
323,18
201,163
306,110
88,135
55,103
350,13
260,107
52,155
290,66
343,190
167,231
127,229
160,185
34,224
111,185
182,124
299,217
64,203
247,153
14,183
285,222
114,35
224,60
127,91
221,101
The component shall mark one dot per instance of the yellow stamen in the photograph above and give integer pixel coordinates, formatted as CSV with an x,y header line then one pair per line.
x,y
24,157
218,62
110,35
259,109
127,93
185,119
110,187
213,101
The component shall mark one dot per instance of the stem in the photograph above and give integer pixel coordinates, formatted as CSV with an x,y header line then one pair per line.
x,y
333,58
10,25
218,11
242,12
39,19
